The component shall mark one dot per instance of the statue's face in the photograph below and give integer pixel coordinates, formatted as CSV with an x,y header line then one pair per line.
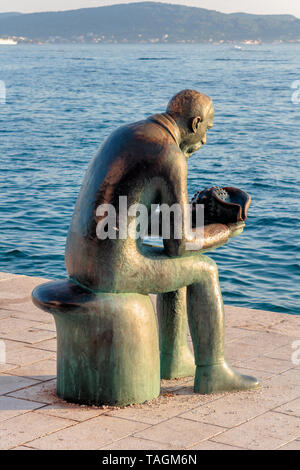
x,y
197,137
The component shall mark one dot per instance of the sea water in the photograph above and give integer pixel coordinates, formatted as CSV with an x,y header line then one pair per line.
x,y
62,101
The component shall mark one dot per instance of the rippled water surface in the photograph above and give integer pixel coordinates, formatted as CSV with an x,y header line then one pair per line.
x,y
62,101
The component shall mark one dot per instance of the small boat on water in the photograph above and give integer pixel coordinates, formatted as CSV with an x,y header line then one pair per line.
x,y
8,42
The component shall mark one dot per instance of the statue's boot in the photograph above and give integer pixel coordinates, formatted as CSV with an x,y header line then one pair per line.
x,y
206,321
176,358
221,378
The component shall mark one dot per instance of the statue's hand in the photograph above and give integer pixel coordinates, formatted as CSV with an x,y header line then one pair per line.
x,y
236,229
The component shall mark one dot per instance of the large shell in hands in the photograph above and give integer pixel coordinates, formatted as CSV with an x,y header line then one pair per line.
x,y
222,205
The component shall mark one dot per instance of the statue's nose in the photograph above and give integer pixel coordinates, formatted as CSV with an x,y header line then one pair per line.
x,y
203,140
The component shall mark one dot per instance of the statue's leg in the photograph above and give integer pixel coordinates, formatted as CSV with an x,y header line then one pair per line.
x,y
161,274
176,358
206,320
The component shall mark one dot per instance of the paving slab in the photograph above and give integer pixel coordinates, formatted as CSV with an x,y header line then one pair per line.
x,y
23,448
230,410
11,345
293,445
71,411
47,345
41,370
17,290
26,355
236,334
32,335
134,443
5,313
10,384
267,338
42,392
211,445
7,367
284,352
261,375
24,428
269,431
11,407
89,435
250,319
179,432
266,364
9,325
291,408
29,311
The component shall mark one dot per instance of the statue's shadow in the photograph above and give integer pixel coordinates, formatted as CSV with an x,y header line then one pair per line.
x,y
26,392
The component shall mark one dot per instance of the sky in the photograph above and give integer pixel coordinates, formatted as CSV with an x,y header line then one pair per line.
x,y
227,6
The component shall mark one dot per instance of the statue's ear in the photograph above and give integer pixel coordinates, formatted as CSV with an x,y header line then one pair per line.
x,y
196,123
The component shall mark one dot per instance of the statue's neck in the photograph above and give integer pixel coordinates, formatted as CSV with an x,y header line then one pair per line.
x,y
166,121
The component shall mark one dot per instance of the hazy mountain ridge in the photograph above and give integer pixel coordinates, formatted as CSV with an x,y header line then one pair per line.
x,y
148,22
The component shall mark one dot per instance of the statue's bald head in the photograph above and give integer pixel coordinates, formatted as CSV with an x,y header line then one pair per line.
x,y
189,103
193,112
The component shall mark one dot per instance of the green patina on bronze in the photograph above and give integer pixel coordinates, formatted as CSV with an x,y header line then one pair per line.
x,y
107,337
176,358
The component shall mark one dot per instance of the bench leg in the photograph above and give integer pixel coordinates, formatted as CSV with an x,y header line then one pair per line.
x,y
107,351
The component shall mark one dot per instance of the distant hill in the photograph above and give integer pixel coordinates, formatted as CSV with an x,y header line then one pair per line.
x,y
148,22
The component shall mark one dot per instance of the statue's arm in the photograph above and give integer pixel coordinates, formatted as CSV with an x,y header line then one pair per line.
x,y
214,234
176,194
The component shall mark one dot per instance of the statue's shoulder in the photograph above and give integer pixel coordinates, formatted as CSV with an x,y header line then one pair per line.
x,y
148,140
129,133
154,129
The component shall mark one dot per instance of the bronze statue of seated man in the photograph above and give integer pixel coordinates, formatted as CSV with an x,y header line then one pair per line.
x,y
147,162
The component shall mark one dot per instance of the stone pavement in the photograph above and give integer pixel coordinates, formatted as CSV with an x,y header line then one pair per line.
x,y
32,417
